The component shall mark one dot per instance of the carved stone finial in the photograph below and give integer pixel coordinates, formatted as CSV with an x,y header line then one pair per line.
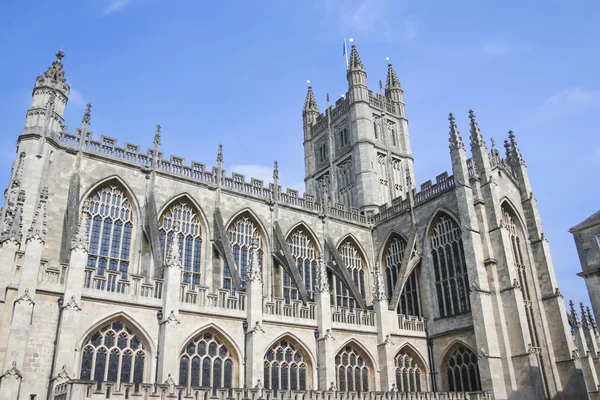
x,y
254,273
60,55
322,285
455,139
476,137
80,240
275,171
516,153
574,316
379,293
38,230
157,135
508,150
174,256
220,154
310,104
87,115
494,151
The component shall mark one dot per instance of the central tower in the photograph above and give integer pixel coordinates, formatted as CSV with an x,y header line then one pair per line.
x,y
358,151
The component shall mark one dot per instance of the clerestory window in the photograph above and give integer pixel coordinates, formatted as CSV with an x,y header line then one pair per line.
x,y
305,253
240,235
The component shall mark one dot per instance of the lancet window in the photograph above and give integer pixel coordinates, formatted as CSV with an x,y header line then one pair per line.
x,y
240,235
397,175
410,299
450,269
409,373
462,370
356,265
305,254
383,178
181,220
352,371
206,362
110,222
114,353
286,367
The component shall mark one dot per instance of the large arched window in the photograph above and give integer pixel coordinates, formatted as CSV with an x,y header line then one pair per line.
x,y
286,367
410,299
114,353
110,220
182,219
356,265
352,370
410,374
462,370
240,235
305,253
450,269
206,362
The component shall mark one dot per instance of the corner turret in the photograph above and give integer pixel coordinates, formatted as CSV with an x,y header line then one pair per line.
x,y
310,112
357,78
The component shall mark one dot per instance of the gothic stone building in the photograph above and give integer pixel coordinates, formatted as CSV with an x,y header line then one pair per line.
x,y
127,274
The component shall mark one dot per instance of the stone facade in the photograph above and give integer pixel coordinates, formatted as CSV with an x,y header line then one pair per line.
x,y
364,285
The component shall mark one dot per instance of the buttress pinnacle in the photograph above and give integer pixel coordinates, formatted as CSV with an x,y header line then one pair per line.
x,y
88,114
476,137
516,153
310,104
392,81
355,61
455,139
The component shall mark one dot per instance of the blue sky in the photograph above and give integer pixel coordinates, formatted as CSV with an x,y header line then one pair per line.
x,y
235,72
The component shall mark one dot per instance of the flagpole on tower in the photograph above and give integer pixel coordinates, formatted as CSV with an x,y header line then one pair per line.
x,y
346,52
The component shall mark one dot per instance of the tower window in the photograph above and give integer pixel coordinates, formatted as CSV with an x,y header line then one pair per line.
x,y
343,137
322,152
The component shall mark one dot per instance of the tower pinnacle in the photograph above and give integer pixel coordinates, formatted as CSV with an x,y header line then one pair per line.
x,y
355,62
392,81
310,104
476,137
516,153
455,139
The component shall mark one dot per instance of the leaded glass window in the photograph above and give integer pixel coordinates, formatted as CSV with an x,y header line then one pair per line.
x,y
450,269
462,370
305,254
114,353
110,227
285,367
182,221
352,371
206,362
409,373
410,299
356,265
240,234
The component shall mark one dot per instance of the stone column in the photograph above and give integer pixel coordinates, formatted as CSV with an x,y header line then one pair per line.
x,y
254,345
384,320
326,356
169,332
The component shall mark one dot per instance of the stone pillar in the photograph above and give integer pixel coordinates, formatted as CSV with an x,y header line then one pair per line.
x,y
326,355
583,353
169,332
254,346
384,322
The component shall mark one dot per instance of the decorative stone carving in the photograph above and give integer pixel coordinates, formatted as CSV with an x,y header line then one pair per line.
x,y
80,240
482,353
328,335
516,284
62,376
475,288
388,340
379,293
13,222
254,273
455,139
38,229
172,319
72,305
170,381
258,328
25,298
394,389
332,387
12,372
259,385
174,256
322,285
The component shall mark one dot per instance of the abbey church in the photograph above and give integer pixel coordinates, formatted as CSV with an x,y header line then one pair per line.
x,y
129,274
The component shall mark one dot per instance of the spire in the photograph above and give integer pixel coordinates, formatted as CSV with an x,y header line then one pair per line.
x,y
574,316
38,225
355,62
591,318
455,139
80,240
392,81
310,104
379,287
174,256
322,285
516,153
584,318
476,137
54,76
87,115
254,272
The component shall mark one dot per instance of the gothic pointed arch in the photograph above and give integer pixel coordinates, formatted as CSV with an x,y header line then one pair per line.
x,y
392,257
182,218
209,359
305,251
449,265
288,364
355,368
410,368
116,180
460,368
112,216
241,228
188,197
116,349
354,260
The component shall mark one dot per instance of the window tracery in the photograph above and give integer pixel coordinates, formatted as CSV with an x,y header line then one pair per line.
x,y
206,362
345,182
240,235
462,370
450,269
114,353
353,373
305,253
110,223
410,299
183,217
356,265
285,367
383,178
409,373
397,175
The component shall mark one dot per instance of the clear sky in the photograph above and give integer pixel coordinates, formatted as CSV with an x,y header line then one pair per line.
x,y
235,72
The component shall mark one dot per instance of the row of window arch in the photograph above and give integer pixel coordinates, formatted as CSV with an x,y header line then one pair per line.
x,y
117,352
111,221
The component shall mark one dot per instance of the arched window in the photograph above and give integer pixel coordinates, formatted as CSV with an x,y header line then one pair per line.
x,y
182,216
206,362
450,269
110,222
305,253
286,367
352,371
462,370
410,376
410,299
114,353
356,265
240,234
